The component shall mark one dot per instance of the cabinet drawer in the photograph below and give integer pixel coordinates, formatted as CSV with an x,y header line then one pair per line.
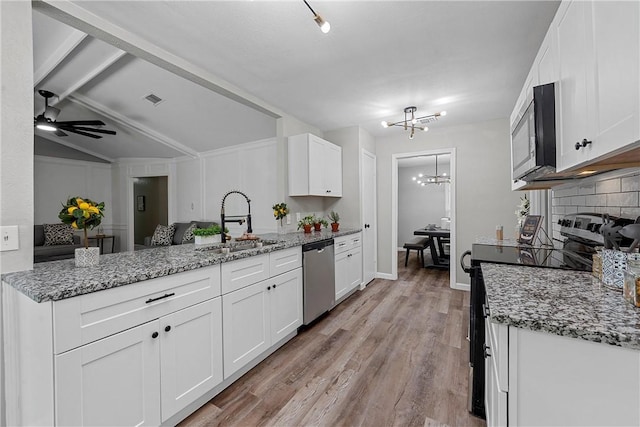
x,y
355,240
341,244
285,260
86,318
244,272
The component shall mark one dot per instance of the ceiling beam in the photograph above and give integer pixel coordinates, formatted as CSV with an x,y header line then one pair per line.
x,y
92,74
78,17
131,124
56,57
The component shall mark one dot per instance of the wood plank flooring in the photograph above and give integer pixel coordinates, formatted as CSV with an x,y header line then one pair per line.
x,y
394,354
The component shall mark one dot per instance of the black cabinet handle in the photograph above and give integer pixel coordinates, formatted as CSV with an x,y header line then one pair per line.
x,y
268,288
582,144
154,335
486,352
159,298
485,311
274,286
367,226
167,329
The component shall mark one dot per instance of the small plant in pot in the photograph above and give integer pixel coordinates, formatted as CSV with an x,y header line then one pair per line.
x,y
319,222
335,220
207,236
306,223
81,214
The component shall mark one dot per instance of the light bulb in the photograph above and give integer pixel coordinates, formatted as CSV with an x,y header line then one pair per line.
x,y
444,174
47,127
443,113
414,178
422,184
414,121
420,175
419,182
325,27
384,124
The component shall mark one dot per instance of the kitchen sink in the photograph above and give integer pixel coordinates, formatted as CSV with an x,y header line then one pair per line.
x,y
236,246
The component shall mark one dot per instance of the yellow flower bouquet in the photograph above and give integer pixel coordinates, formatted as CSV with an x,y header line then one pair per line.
x,y
280,210
82,214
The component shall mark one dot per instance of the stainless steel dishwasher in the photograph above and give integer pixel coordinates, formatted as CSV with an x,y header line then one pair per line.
x,y
319,289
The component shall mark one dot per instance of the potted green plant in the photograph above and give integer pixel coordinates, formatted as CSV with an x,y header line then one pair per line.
x,y
82,214
334,217
306,223
207,236
319,222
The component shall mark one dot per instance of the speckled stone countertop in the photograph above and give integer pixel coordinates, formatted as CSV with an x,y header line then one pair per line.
x,y
493,241
56,280
562,302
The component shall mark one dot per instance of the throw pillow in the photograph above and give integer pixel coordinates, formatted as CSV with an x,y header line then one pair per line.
x,y
58,234
188,236
163,235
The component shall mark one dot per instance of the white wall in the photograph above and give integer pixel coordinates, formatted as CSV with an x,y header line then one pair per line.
x,y
55,180
418,205
483,182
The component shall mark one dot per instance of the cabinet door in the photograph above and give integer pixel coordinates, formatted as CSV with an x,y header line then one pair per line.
x,y
245,315
355,268
190,354
342,274
317,186
574,109
616,36
547,60
333,170
285,301
112,382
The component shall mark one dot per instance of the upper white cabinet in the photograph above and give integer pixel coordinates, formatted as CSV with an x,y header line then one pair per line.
x,y
598,46
315,167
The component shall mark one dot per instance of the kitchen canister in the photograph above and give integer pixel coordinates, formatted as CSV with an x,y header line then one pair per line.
x,y
614,264
631,287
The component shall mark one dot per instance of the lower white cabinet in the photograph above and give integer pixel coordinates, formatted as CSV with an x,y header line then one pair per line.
x,y
348,267
144,375
536,378
258,316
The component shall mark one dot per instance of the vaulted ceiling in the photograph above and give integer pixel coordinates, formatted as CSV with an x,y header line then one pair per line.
x,y
469,58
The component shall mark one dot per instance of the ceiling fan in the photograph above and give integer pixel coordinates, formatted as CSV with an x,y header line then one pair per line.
x,y
47,121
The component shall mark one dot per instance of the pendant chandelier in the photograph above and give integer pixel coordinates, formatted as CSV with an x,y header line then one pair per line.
x,y
411,122
424,179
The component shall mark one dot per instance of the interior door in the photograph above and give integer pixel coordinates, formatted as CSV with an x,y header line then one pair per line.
x,y
369,227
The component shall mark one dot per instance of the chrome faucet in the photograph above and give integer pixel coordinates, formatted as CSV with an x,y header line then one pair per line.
x,y
236,218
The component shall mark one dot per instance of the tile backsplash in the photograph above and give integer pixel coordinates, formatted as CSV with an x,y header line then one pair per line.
x,y
618,196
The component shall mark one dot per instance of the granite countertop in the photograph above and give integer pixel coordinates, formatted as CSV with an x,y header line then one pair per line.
x,y
56,280
494,242
562,302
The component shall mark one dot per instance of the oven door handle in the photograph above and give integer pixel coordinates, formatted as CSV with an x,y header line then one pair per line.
x,y
467,269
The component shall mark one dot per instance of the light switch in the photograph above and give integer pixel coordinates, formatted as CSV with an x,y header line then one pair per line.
x,y
9,238
298,216
288,219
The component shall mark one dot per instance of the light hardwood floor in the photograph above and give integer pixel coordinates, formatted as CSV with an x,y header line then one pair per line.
x,y
394,354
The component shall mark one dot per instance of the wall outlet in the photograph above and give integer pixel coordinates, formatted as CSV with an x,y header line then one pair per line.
x,y
288,219
298,217
9,238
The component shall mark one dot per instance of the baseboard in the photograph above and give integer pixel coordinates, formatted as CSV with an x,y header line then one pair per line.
x,y
462,287
386,276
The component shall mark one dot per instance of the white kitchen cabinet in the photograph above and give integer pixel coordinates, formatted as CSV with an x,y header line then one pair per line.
x,y
143,375
315,167
258,316
113,381
348,264
539,378
598,46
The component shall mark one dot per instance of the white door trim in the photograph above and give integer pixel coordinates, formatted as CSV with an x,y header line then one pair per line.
x,y
374,225
394,210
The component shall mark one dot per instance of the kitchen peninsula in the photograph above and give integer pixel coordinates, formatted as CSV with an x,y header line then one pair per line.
x,y
562,349
154,333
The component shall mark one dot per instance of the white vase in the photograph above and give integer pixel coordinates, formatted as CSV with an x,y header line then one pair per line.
x,y
87,257
207,240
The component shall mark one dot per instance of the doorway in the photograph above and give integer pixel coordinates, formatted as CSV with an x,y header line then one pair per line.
x,y
424,216
150,206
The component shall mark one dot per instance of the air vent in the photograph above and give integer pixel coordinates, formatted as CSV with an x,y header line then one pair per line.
x,y
427,120
154,99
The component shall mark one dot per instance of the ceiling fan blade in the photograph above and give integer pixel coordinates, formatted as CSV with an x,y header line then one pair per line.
x,y
79,132
58,132
107,131
82,122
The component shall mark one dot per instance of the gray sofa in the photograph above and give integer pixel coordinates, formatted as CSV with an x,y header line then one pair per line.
x,y
43,253
181,227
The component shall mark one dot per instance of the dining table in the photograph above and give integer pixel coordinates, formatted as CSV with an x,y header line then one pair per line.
x,y
437,237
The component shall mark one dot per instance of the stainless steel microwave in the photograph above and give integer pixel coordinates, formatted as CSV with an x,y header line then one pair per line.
x,y
533,138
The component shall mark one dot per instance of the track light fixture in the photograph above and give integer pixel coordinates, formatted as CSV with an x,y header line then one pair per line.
x,y
410,120
325,27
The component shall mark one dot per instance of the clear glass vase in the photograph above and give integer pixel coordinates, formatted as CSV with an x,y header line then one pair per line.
x,y
281,228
